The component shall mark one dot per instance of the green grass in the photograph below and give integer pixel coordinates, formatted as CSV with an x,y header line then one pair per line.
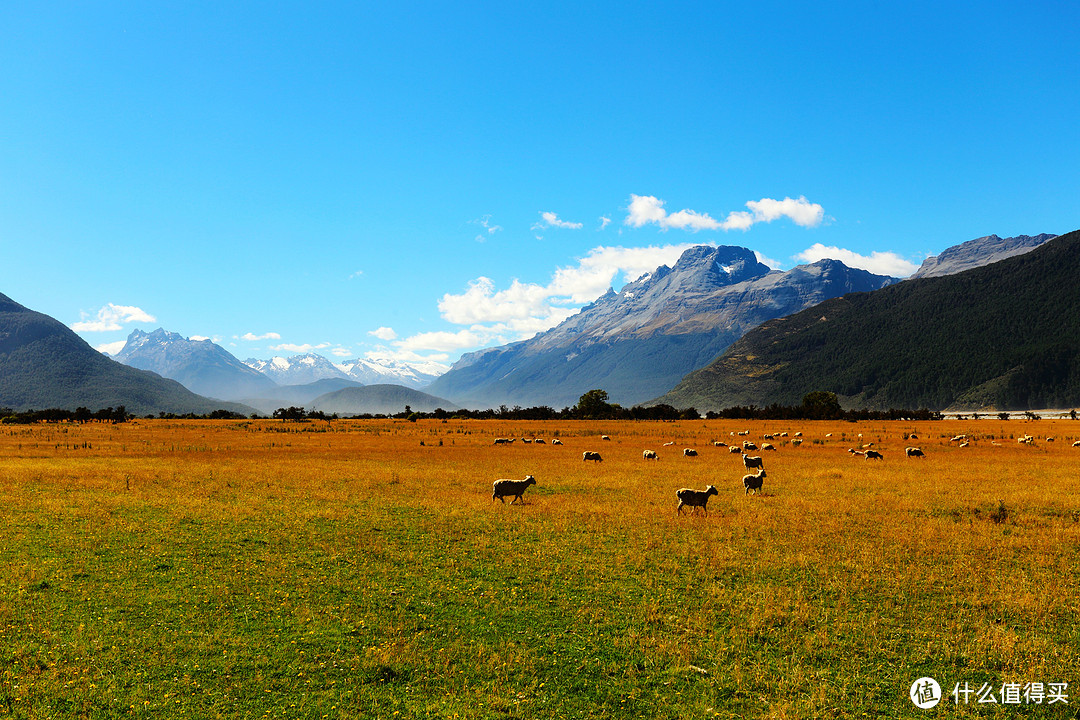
x,y
325,580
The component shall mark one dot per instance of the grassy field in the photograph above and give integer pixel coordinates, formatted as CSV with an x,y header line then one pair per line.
x,y
250,569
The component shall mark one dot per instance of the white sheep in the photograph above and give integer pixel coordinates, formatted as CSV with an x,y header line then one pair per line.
x,y
914,452
695,498
735,449
874,455
767,446
689,452
649,455
748,445
556,441
539,441
501,488
752,462
796,442
717,443
604,437
590,455
856,452
753,482
503,441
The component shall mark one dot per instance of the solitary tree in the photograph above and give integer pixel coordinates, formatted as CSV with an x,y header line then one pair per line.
x,y
821,405
593,405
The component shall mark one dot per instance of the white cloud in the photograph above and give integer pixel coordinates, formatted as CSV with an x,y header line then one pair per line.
x,y
441,340
304,348
341,352
649,210
111,317
383,354
550,219
880,263
604,222
252,337
356,274
484,221
198,338
383,333
111,348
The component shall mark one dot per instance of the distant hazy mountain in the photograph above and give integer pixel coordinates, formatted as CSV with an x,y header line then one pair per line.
x,y
639,342
1000,336
284,396
199,365
44,364
413,375
306,369
978,252
297,370
378,400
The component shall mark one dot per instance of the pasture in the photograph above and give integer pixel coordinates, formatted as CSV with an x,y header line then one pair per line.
x,y
352,569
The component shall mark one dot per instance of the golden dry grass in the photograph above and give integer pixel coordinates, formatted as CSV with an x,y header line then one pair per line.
x,y
361,568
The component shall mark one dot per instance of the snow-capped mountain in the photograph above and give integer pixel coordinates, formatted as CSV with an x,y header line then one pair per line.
x,y
199,365
297,370
638,342
305,369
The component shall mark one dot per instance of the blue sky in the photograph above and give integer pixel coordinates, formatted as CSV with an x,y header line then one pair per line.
x,y
417,180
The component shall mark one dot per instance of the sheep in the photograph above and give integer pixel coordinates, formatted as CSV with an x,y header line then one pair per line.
x,y
589,455
752,462
556,441
695,498
717,443
874,455
735,449
539,441
669,443
767,446
914,452
689,452
856,452
1076,444
503,441
748,445
799,434
796,442
526,440
501,488
767,436
649,455
753,482
604,437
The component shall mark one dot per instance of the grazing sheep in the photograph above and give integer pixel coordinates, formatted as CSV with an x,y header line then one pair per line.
x,y
783,434
689,452
1026,439
799,434
744,432
914,452
556,441
735,449
503,441
604,437
752,462
526,440
913,436
753,482
748,445
767,446
589,455
669,443
853,451
539,441
1076,444
767,436
502,488
796,442
695,498
717,443
649,455
874,455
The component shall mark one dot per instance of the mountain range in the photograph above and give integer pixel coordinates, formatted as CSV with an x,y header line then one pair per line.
x,y
1001,336
640,341
45,365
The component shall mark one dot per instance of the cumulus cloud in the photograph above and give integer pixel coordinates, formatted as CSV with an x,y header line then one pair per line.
x,y
252,337
111,318
111,348
879,263
383,333
649,210
604,222
551,220
341,352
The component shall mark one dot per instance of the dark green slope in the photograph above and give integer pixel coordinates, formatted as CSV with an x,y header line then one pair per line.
x,y
383,399
44,364
1005,335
